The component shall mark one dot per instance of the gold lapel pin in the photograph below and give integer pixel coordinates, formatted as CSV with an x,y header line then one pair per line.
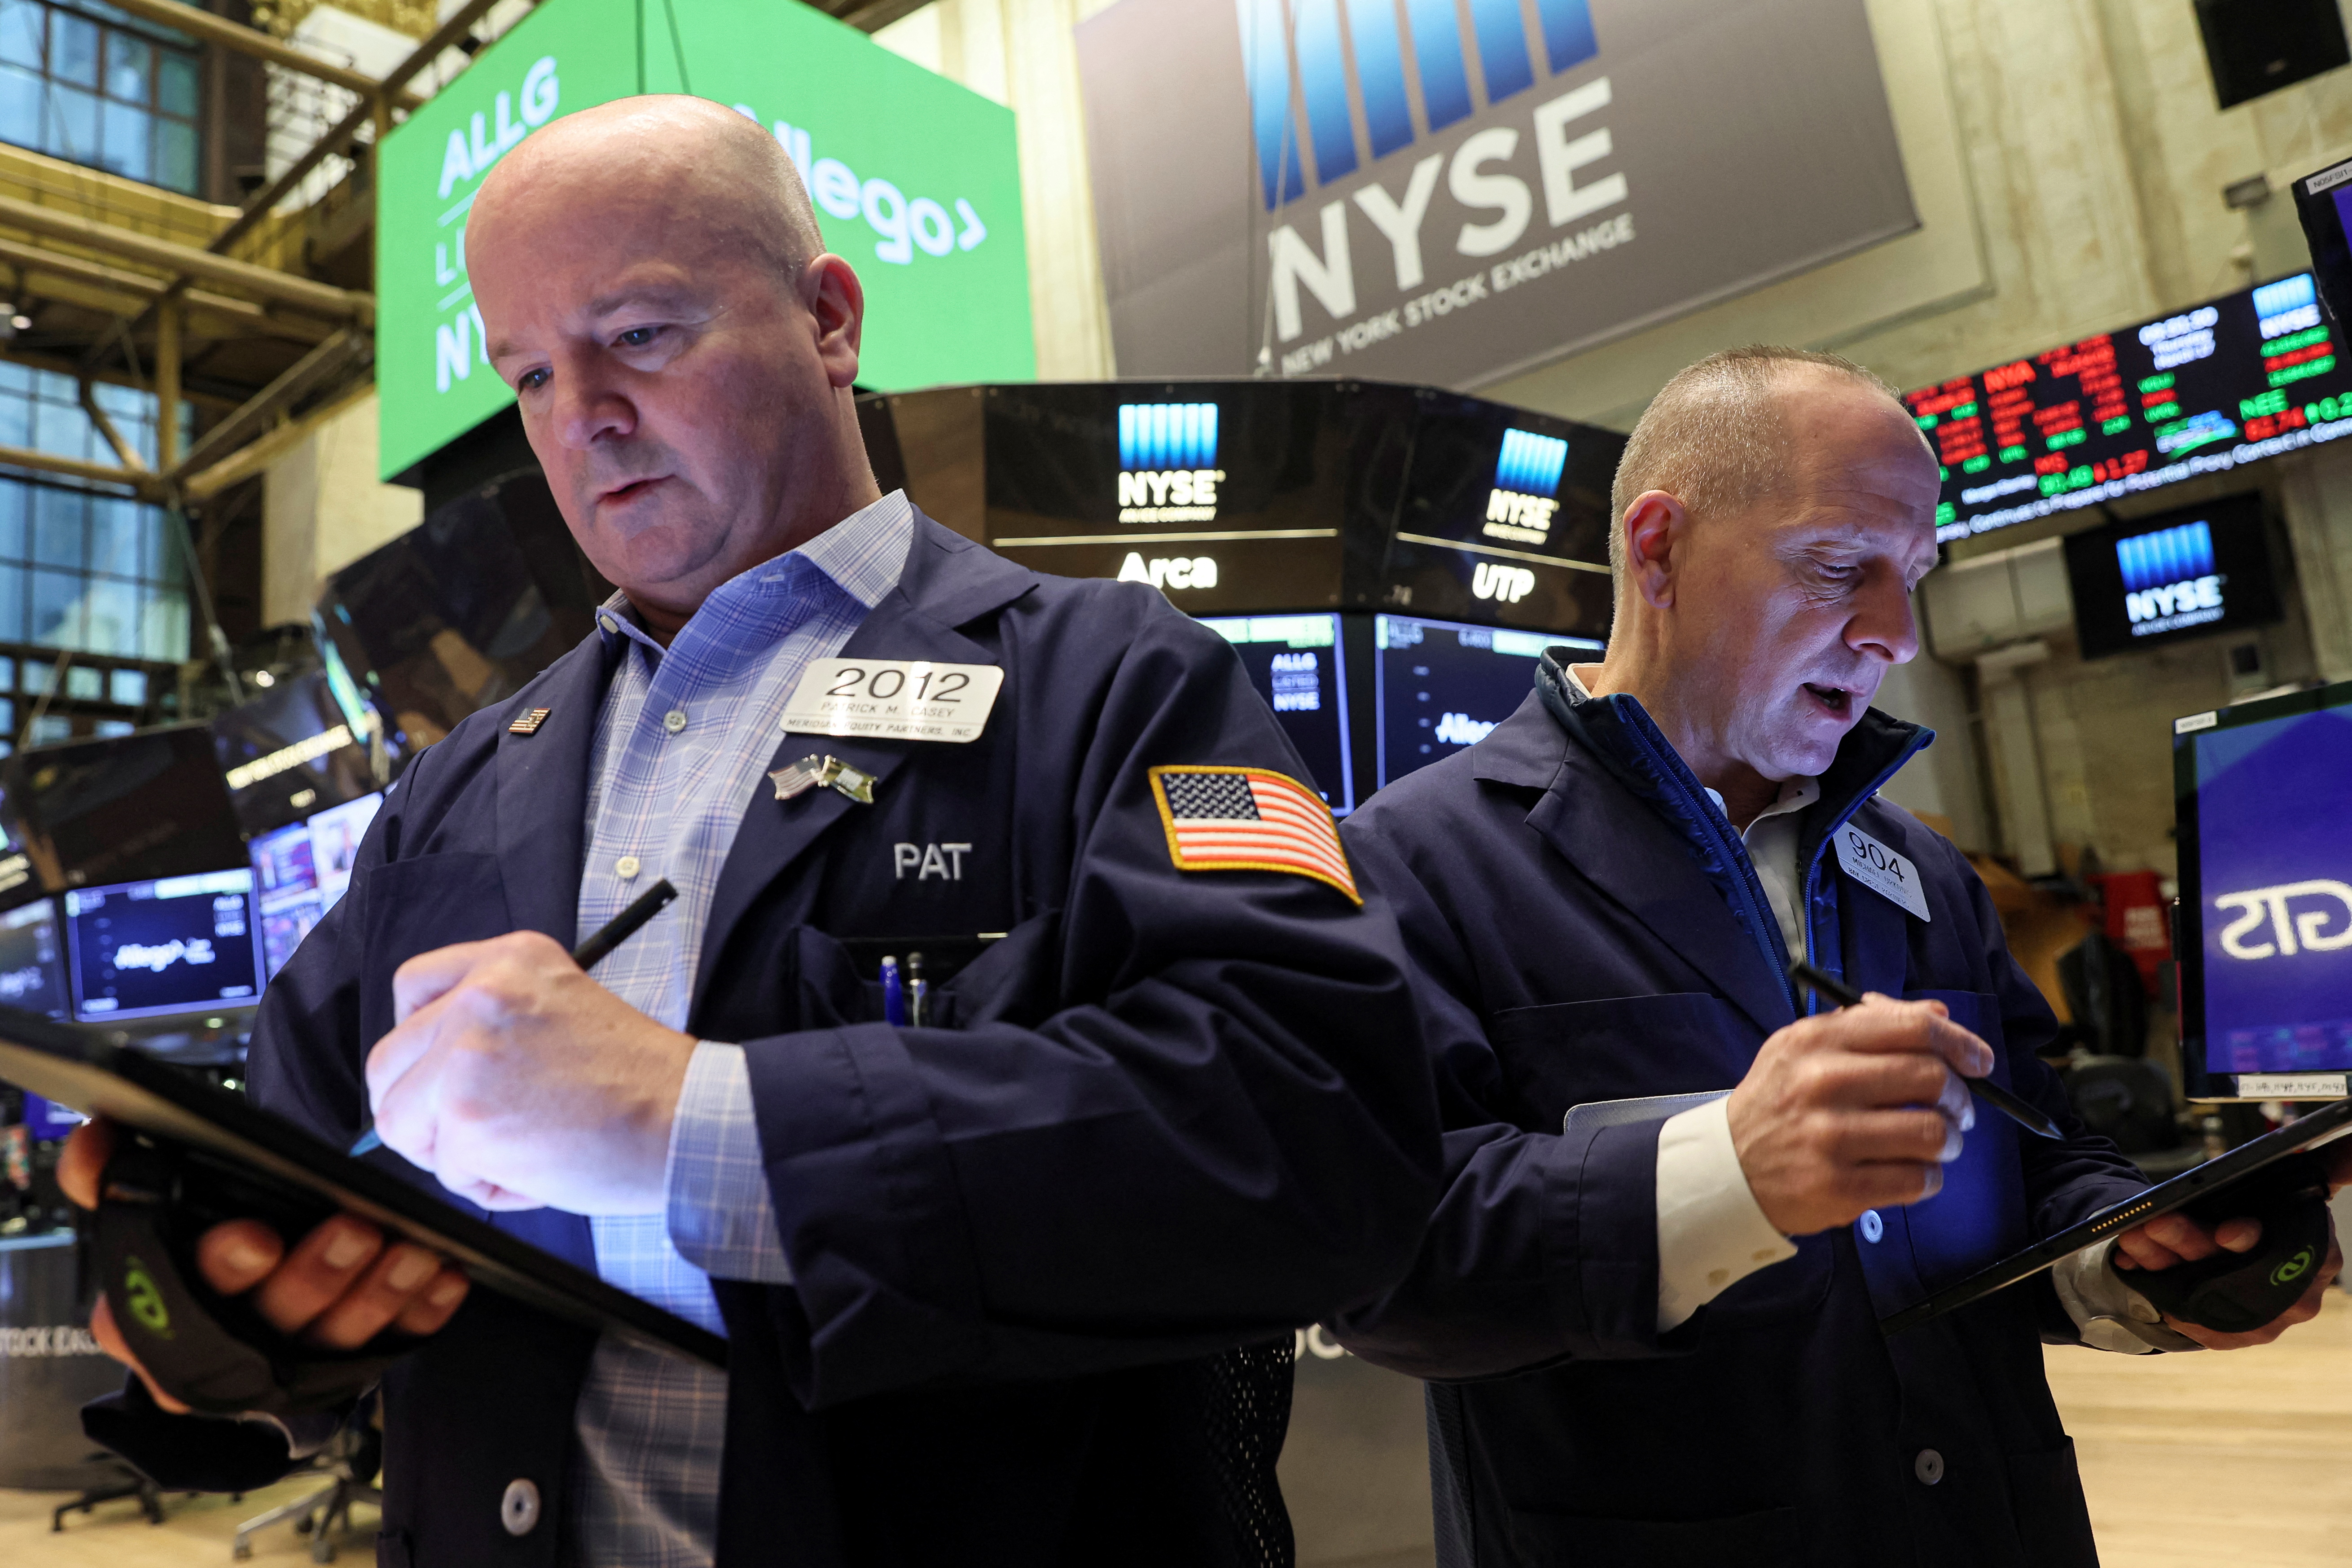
x,y
530,722
815,772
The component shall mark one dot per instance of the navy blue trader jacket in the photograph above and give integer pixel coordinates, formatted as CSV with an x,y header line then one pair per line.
x,y
1587,927
1178,1112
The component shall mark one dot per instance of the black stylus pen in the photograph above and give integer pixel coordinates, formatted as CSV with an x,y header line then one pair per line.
x,y
1991,1093
587,955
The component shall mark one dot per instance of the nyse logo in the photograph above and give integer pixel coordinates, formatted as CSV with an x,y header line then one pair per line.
x,y
1167,463
2298,916
1507,583
1485,177
2169,579
1526,476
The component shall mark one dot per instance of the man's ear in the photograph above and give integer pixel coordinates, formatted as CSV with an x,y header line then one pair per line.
x,y
837,303
1654,527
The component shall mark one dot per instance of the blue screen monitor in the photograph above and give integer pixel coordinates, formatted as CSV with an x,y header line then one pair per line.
x,y
1440,686
300,872
2263,793
1295,663
177,944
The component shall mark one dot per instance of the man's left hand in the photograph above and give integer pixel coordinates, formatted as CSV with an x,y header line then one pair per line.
x,y
521,1082
2175,1238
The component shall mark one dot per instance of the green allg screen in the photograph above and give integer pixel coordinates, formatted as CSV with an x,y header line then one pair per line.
x,y
915,181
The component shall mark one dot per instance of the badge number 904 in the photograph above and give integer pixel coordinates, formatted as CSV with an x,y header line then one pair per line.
x,y
907,699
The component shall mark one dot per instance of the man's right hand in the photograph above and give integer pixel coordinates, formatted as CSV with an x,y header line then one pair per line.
x,y
339,1287
1855,1109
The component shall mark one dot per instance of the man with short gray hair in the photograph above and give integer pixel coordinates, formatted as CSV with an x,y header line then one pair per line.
x,y
1007,1260
1681,1195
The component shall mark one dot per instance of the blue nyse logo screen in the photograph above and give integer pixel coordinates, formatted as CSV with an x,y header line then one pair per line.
x,y
1167,462
2169,579
1527,487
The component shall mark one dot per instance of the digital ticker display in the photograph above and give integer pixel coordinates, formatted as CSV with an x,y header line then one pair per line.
x,y
1442,685
1295,662
2248,376
2265,805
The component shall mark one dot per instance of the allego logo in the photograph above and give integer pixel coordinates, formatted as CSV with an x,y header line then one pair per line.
x,y
1527,482
2169,579
1167,462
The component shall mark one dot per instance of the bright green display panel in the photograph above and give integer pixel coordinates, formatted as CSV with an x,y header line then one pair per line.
x,y
917,182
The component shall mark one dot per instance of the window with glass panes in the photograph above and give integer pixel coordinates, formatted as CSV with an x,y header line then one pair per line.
x,y
79,568
85,82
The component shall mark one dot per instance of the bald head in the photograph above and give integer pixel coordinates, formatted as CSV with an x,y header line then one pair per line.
x,y
708,166
1719,437
653,285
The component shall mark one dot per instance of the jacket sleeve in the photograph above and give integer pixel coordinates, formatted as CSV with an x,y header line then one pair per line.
x,y
1225,1130
1542,1248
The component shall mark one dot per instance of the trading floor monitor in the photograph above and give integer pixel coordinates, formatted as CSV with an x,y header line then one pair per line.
x,y
2263,793
172,945
1297,665
1440,686
300,872
32,960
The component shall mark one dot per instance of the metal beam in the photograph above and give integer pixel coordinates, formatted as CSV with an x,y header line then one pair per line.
x,y
306,375
124,453
74,468
186,261
30,260
253,41
249,460
258,205
170,316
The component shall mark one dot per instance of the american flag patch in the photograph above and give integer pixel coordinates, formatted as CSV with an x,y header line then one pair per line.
x,y
1249,819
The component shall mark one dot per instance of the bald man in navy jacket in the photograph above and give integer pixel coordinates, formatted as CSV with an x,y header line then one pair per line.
x,y
1649,1306
1011,1282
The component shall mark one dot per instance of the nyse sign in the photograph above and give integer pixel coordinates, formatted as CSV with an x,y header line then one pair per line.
x,y
1444,192
2291,918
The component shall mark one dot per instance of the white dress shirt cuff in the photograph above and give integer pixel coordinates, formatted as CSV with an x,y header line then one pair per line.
x,y
1712,1234
721,1217
2108,1314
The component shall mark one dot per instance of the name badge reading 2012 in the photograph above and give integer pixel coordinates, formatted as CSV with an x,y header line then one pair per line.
x,y
893,699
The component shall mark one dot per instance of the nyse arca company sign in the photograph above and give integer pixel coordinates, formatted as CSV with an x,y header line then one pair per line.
x,y
1447,194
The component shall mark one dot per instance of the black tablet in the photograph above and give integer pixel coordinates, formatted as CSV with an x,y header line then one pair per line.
x,y
2214,1175
98,1073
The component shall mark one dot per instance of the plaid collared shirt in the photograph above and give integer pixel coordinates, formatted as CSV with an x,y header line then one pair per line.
x,y
681,742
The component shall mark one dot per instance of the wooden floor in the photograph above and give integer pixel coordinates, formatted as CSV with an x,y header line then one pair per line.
x,y
2195,1460
2190,1461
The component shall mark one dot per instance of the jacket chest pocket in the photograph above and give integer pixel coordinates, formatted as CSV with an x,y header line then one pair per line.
x,y
410,906
1978,1217
1620,1048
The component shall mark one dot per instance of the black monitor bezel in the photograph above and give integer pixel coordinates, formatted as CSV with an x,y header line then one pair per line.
x,y
2199,1083
133,1022
2323,232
